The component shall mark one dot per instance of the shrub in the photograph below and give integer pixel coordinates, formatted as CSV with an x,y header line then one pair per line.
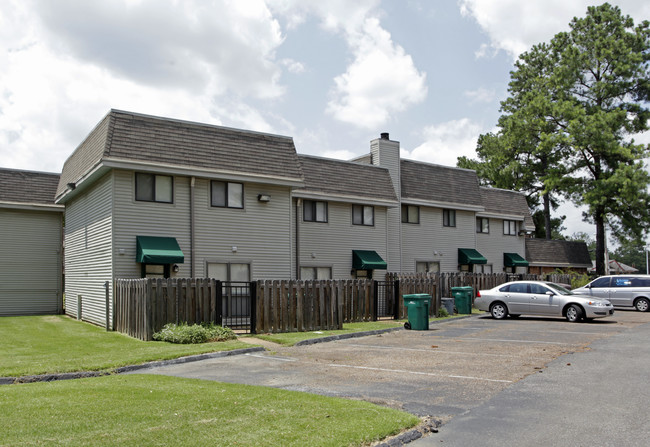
x,y
186,334
442,313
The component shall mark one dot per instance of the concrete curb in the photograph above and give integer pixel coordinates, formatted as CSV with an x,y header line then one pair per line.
x,y
329,338
124,369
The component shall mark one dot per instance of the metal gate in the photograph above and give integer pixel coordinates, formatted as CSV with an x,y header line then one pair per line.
x,y
387,300
237,305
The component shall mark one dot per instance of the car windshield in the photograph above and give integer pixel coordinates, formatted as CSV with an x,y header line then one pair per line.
x,y
559,289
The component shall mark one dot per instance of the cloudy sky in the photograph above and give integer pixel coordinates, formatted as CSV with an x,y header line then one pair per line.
x,y
332,74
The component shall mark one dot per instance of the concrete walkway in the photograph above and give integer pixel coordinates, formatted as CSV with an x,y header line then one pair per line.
x,y
599,397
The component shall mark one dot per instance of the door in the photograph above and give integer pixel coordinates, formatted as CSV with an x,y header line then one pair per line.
x,y
621,292
600,287
543,301
517,298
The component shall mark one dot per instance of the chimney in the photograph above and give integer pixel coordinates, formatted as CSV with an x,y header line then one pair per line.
x,y
384,136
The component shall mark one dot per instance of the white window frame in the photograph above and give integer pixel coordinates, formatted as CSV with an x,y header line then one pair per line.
x,y
510,227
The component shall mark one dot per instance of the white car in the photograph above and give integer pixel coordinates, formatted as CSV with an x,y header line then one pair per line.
x,y
540,298
621,290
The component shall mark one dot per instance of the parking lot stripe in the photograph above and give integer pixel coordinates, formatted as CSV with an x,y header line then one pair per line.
x,y
401,371
515,341
435,350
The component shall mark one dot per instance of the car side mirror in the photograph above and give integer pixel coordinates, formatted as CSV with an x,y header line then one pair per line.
x,y
549,293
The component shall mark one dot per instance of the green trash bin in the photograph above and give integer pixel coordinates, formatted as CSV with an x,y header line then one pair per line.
x,y
463,299
417,306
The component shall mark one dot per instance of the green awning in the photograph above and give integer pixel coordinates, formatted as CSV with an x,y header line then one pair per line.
x,y
367,260
158,250
470,256
514,260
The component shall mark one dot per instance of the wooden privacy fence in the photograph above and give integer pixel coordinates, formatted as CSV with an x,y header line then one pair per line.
x,y
144,306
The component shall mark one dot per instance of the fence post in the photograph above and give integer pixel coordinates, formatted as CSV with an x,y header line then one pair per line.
x,y
219,303
396,313
108,306
375,299
253,306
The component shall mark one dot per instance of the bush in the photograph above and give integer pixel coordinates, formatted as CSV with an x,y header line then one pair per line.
x,y
186,334
442,313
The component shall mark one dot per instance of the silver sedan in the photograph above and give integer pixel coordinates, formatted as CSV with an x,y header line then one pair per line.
x,y
540,298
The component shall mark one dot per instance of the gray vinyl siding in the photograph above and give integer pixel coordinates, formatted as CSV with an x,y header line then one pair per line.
x,y
30,267
494,244
261,231
88,247
421,241
138,218
330,244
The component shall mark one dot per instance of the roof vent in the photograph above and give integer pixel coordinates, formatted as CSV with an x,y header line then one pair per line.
x,y
384,136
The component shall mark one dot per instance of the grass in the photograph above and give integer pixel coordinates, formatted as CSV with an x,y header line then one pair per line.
x,y
56,343
147,410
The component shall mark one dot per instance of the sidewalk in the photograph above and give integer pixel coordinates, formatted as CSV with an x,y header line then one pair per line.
x,y
594,398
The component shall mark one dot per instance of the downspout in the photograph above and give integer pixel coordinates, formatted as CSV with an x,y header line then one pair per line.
x,y
298,205
192,181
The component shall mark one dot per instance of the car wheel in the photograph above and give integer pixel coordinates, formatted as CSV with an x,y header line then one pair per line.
x,y
407,325
642,305
573,313
499,311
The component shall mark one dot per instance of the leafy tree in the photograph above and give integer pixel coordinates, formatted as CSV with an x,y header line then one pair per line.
x,y
573,105
632,253
557,226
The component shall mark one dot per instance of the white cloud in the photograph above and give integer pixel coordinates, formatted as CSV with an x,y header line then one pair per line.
x,y
445,142
515,26
381,81
480,95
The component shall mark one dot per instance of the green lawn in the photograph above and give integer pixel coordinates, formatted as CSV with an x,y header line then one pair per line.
x,y
56,343
147,410
291,338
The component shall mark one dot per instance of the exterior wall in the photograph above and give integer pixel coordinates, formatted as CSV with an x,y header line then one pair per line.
x,y
420,242
385,153
494,244
330,244
88,249
138,218
260,231
30,267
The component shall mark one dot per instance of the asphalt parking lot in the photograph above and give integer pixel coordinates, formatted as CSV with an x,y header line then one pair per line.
x,y
443,372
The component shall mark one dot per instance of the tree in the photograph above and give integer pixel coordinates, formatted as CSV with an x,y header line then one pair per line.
x,y
557,226
577,101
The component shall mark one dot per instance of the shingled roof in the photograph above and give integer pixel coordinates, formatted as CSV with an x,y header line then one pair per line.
x,y
554,253
345,180
129,137
27,187
507,203
440,184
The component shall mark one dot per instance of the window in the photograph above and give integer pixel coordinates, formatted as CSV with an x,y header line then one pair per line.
x,y
621,282
482,225
510,227
315,273
600,282
427,267
448,218
227,195
518,288
154,188
313,211
482,268
538,289
410,214
363,215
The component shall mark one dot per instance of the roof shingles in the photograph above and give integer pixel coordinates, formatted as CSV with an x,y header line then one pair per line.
x,y
27,187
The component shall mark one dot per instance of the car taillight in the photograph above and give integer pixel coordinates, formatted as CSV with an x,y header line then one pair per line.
x,y
478,294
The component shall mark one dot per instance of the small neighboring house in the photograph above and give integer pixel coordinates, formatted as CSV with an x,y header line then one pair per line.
x,y
340,219
31,241
501,230
150,196
615,268
547,256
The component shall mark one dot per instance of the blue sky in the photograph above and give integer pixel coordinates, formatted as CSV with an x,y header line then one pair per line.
x,y
332,74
